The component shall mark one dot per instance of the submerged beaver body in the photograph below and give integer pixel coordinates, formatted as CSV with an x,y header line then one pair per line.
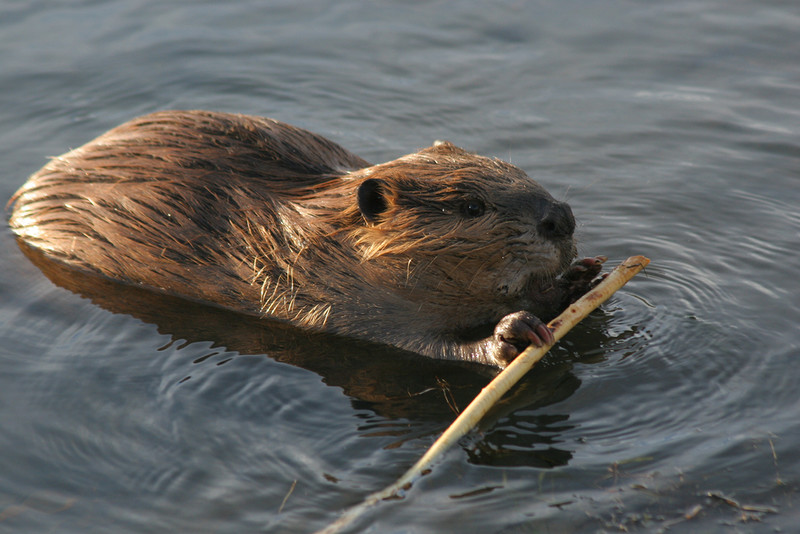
x,y
258,216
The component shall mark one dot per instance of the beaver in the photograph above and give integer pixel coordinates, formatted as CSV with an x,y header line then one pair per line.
x,y
429,252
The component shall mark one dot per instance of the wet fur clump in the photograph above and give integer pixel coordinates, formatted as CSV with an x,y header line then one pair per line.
x,y
254,215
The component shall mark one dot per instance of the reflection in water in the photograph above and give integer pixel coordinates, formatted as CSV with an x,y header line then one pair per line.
x,y
520,436
391,383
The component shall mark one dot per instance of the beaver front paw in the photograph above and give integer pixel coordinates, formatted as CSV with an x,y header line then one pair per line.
x,y
514,333
581,277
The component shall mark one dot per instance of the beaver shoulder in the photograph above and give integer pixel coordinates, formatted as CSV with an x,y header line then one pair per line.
x,y
258,216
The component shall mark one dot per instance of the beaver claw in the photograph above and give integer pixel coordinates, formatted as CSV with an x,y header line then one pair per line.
x,y
581,276
515,332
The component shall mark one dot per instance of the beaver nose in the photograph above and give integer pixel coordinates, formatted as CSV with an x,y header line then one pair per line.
x,y
558,222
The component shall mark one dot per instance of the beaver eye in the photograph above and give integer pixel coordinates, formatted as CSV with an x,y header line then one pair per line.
x,y
473,207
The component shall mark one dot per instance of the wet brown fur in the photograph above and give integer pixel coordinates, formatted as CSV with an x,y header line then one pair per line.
x,y
258,216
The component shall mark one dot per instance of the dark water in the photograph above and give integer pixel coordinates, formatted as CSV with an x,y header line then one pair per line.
x,y
672,129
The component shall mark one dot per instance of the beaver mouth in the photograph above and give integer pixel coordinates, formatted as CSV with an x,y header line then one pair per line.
x,y
544,281
539,285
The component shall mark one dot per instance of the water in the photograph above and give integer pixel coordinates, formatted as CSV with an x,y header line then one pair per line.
x,y
672,129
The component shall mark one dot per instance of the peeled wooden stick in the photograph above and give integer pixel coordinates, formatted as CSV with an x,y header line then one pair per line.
x,y
489,395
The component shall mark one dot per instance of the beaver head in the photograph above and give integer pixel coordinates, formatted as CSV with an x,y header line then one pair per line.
x,y
461,231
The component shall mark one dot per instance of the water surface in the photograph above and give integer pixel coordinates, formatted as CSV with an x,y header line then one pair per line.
x,y
671,128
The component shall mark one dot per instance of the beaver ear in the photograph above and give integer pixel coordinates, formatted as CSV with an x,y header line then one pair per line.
x,y
372,199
